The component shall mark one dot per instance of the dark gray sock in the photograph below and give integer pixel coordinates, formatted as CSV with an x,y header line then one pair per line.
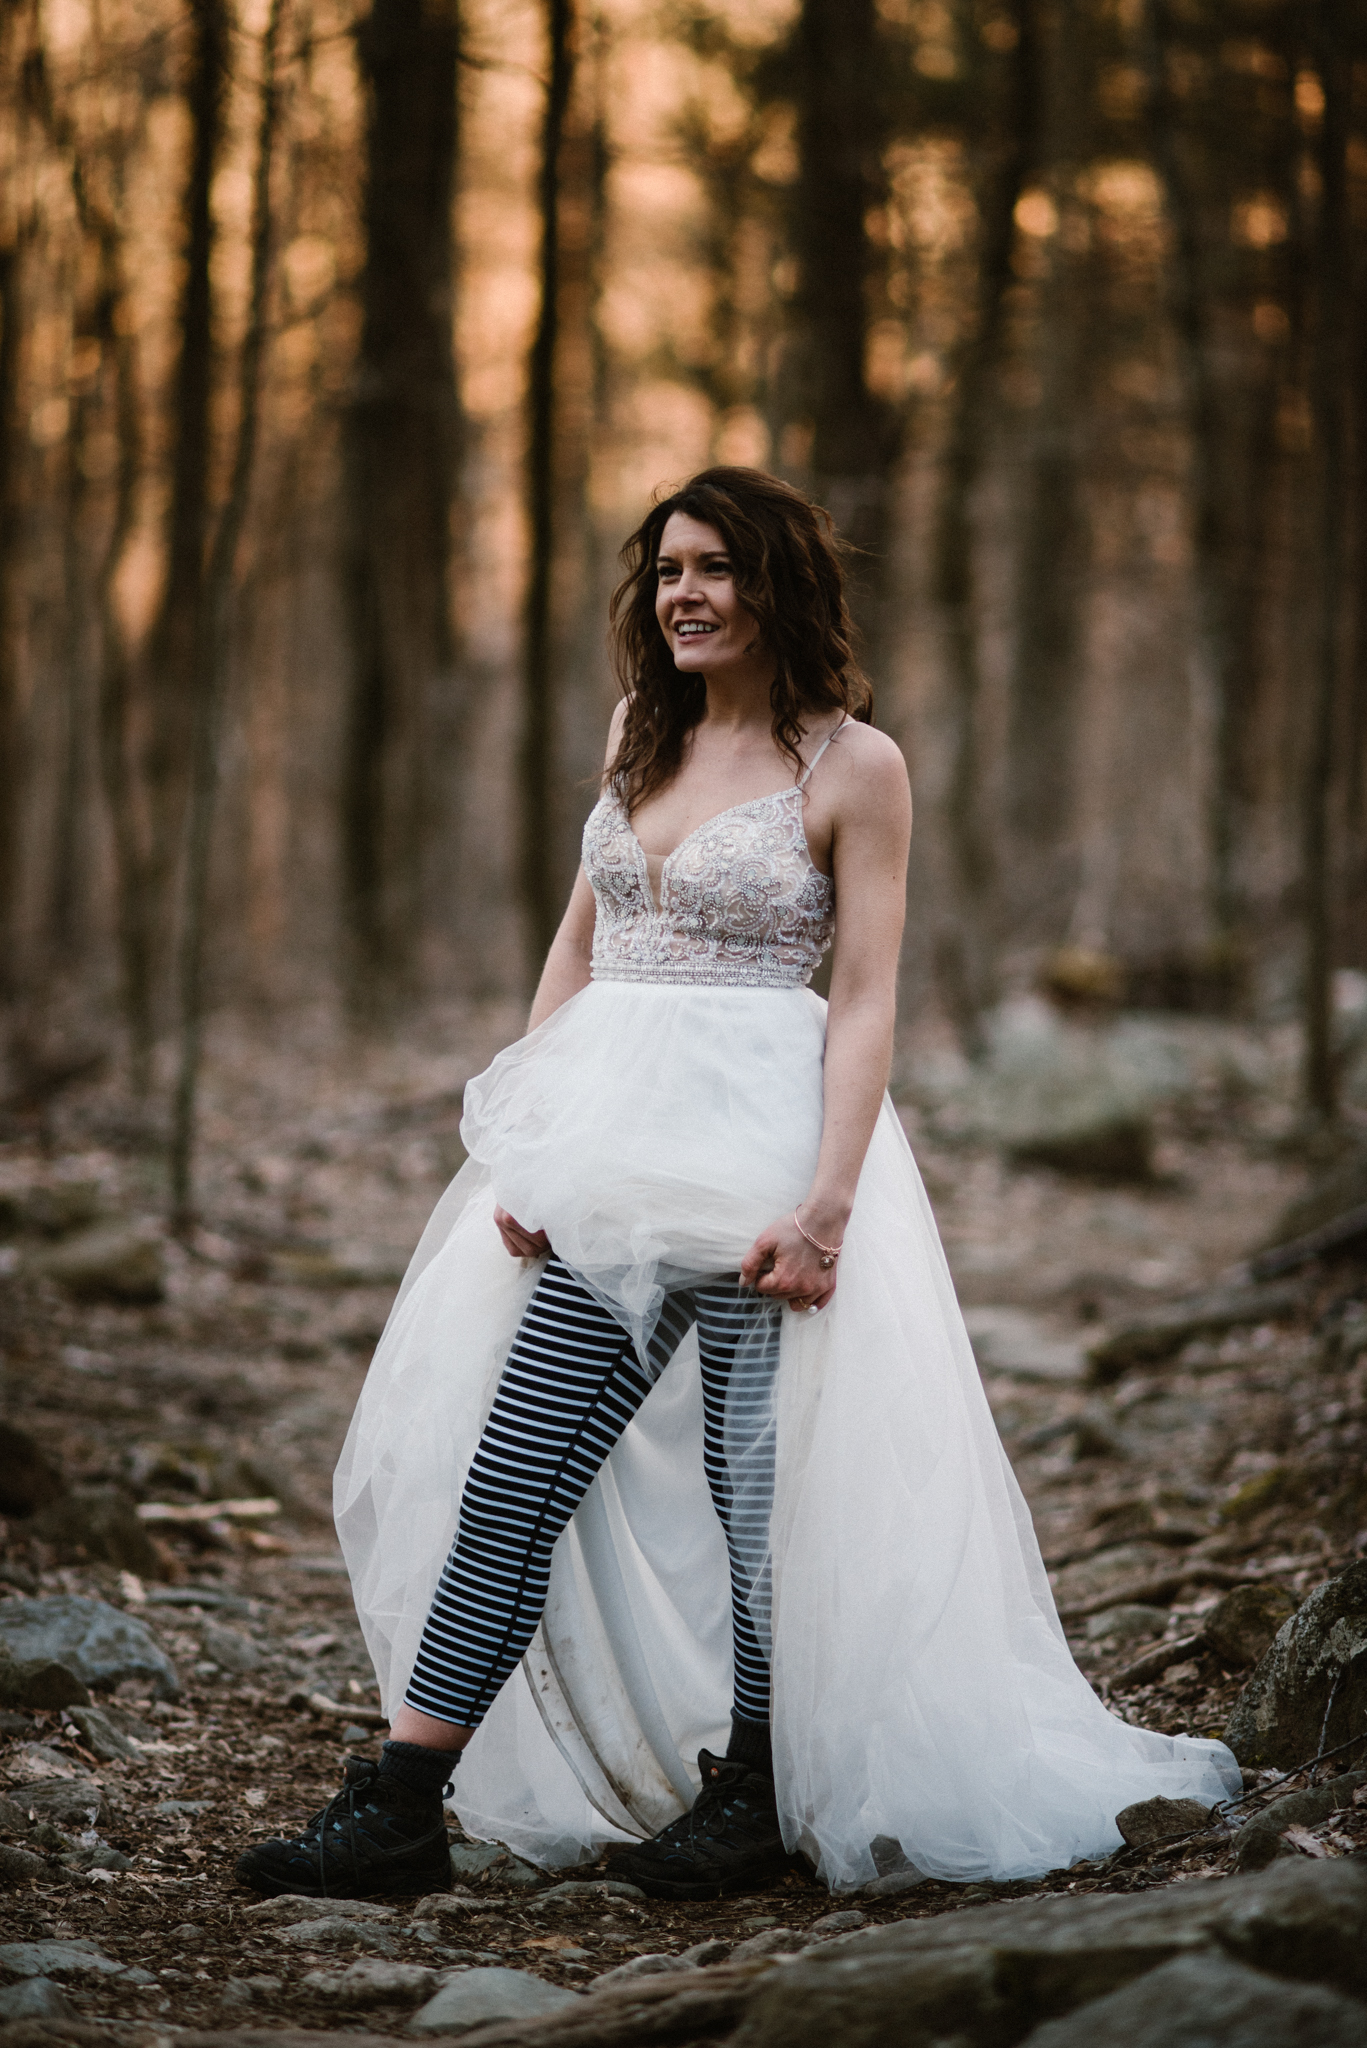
x,y
421,1769
751,1744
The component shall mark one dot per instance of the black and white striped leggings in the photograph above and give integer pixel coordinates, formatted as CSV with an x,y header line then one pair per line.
x,y
572,1383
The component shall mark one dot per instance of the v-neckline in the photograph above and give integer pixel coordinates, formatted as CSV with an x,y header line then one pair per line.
x,y
750,804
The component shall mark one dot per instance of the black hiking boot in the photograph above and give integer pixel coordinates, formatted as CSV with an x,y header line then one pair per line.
x,y
377,1838
729,1842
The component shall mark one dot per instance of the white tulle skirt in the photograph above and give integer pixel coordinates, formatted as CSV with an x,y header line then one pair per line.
x,y
926,1710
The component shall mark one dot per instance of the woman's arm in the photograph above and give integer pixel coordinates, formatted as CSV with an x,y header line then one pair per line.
x,y
568,968
569,963
871,836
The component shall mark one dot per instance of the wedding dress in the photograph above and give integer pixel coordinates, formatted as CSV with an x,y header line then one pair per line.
x,y
926,1710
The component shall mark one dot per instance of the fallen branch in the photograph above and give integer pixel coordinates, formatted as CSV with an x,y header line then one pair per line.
x,y
1155,1662
1151,1338
1298,1251
1148,1592
187,1516
319,1703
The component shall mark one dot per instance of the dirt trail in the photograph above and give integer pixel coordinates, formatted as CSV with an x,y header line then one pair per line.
x,y
1233,1458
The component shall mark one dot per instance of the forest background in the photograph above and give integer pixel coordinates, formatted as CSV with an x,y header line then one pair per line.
x,y
339,352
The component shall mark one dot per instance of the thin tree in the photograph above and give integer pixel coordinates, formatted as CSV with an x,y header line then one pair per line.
x,y
838,57
1217,651
1329,385
173,650
401,446
100,216
1007,156
11,533
213,642
536,754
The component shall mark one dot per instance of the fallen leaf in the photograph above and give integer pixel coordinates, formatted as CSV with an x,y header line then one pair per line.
x,y
1308,1844
255,1796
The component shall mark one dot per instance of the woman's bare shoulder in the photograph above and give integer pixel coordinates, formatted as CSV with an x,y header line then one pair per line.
x,y
869,761
615,724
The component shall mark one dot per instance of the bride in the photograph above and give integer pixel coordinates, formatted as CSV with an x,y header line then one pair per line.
x,y
674,1440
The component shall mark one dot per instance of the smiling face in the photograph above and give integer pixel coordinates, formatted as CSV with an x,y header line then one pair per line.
x,y
705,624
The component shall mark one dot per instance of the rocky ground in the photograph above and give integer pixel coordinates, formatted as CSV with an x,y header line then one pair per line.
x,y
1190,1490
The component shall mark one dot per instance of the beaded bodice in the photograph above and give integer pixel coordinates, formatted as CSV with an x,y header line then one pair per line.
x,y
741,903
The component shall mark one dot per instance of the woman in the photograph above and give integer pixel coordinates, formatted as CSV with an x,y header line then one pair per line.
x,y
709,1201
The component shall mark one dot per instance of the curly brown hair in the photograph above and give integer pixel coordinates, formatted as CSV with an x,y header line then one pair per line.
x,y
785,560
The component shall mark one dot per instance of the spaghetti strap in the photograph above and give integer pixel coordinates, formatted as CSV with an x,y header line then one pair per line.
x,y
806,776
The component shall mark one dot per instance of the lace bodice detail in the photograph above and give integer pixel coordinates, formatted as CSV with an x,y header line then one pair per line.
x,y
741,903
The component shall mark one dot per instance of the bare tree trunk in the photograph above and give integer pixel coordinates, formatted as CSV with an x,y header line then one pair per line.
x,y
841,181
67,897
211,667
135,904
965,951
1217,649
174,644
11,542
401,442
1332,56
536,757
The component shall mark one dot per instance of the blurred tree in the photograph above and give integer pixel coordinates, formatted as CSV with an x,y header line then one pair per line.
x,y
1005,147
213,641
402,439
541,882
173,648
1331,56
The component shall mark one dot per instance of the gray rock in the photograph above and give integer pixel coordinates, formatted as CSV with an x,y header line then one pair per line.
x,y
704,1953
1010,1340
987,1974
891,1882
1260,1839
37,1681
57,1959
1309,1693
774,1941
491,1860
19,1866
1129,1623
242,1991
289,1911
94,1641
98,1524
1163,1331
1300,1919
1158,1820
639,1966
1242,1627
113,1262
79,1802
576,1890
29,1479
478,1995
1209,2002
229,1648
371,1983
35,1998
459,1906
838,1923
103,1738
335,1932
41,1760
